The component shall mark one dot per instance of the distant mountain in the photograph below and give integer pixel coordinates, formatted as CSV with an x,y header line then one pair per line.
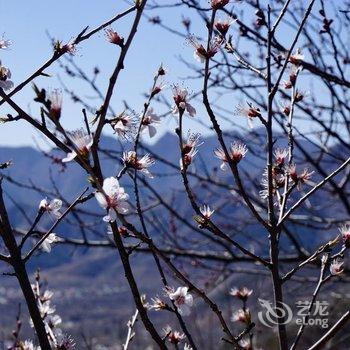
x,y
91,293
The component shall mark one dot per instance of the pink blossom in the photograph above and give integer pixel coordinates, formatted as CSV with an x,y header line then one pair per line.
x,y
200,53
336,267
181,104
251,112
223,25
345,233
130,160
113,37
280,155
218,4
236,152
55,109
301,178
174,337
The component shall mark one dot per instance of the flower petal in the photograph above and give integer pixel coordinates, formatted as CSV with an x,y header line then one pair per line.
x,y
70,157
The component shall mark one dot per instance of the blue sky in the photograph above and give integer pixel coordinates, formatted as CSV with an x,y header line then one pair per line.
x,y
26,24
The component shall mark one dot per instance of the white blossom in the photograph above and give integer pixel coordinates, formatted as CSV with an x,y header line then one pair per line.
x,y
5,75
82,142
236,152
345,233
241,293
122,124
182,299
113,199
4,43
241,316
206,211
28,345
53,207
50,239
336,267
200,53
181,105
56,100
150,121
130,160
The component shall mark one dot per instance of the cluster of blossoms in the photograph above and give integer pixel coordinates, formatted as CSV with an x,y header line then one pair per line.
x,y
236,152
189,149
280,170
300,178
123,124
260,18
174,337
5,74
130,160
52,207
183,301
200,53
113,199
180,97
52,321
82,142
69,47
295,60
181,298
292,77
242,315
241,293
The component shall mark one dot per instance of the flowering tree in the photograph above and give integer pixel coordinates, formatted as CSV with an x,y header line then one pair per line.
x,y
295,143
